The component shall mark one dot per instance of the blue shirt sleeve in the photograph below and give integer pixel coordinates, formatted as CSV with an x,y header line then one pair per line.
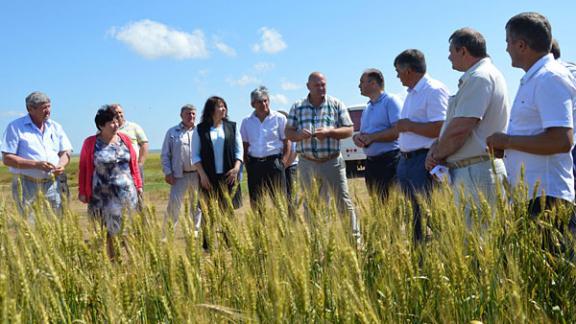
x,y
195,153
10,140
166,155
239,148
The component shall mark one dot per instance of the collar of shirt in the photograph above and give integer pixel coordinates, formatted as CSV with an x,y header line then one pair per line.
x,y
308,103
420,84
182,128
270,115
471,70
380,98
28,121
535,67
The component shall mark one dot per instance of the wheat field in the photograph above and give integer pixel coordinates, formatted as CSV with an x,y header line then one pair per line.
x,y
271,268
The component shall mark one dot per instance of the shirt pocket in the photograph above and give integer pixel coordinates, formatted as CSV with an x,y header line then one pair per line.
x,y
524,114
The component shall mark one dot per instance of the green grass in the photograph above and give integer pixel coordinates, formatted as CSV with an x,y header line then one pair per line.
x,y
270,268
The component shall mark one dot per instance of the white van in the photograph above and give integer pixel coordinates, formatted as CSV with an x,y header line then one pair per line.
x,y
353,155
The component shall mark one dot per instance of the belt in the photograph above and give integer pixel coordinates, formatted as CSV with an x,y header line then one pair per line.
x,y
385,155
413,154
467,162
265,159
323,159
193,171
36,180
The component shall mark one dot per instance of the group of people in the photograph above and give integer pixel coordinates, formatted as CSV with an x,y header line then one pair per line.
x,y
472,138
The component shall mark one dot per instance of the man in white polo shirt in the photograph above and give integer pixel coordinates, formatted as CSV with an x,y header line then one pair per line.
x,y
540,134
264,145
422,117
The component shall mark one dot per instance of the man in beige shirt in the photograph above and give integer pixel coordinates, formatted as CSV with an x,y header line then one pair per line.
x,y
479,108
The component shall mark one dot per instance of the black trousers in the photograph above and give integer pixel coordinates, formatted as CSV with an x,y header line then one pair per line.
x,y
221,189
265,175
380,172
535,209
291,174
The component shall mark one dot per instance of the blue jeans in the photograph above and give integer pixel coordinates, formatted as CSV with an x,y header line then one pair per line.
x,y
26,191
414,179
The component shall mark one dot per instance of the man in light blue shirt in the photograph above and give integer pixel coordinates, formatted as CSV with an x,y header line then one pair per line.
x,y
378,136
36,150
179,172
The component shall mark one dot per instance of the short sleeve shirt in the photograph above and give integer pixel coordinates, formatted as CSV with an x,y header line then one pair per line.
x,y
379,116
330,114
265,138
426,102
546,98
482,94
25,140
136,134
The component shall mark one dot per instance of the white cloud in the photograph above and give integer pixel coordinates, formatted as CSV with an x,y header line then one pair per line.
x,y
224,48
263,66
271,41
154,40
12,114
243,80
285,85
279,99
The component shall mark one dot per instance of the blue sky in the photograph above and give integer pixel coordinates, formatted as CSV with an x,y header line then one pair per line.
x,y
152,57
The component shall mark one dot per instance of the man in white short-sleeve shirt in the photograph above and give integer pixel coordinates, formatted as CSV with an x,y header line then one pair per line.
x,y
540,134
479,109
422,117
265,145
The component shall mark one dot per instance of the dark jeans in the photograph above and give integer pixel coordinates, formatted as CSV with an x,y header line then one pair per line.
x,y
265,175
535,209
380,172
291,174
414,179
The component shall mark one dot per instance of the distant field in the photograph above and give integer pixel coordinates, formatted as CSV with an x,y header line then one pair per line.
x,y
156,190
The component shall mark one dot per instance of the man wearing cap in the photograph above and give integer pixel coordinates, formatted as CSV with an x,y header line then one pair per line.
x,y
36,150
265,145
137,137
378,136
317,123
479,109
179,172
422,117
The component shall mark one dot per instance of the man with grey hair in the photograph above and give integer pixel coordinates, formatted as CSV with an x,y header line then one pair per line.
x,y
36,149
179,172
265,145
378,135
479,109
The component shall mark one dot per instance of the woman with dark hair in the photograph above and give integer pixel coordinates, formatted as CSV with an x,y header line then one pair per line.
x,y
109,180
217,152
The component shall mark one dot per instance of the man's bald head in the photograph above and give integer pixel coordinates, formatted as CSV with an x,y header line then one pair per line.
x,y
314,76
317,86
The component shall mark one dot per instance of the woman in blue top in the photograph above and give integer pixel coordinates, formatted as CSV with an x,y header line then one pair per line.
x,y
217,152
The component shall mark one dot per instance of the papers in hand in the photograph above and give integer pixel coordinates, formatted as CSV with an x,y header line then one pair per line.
x,y
441,173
